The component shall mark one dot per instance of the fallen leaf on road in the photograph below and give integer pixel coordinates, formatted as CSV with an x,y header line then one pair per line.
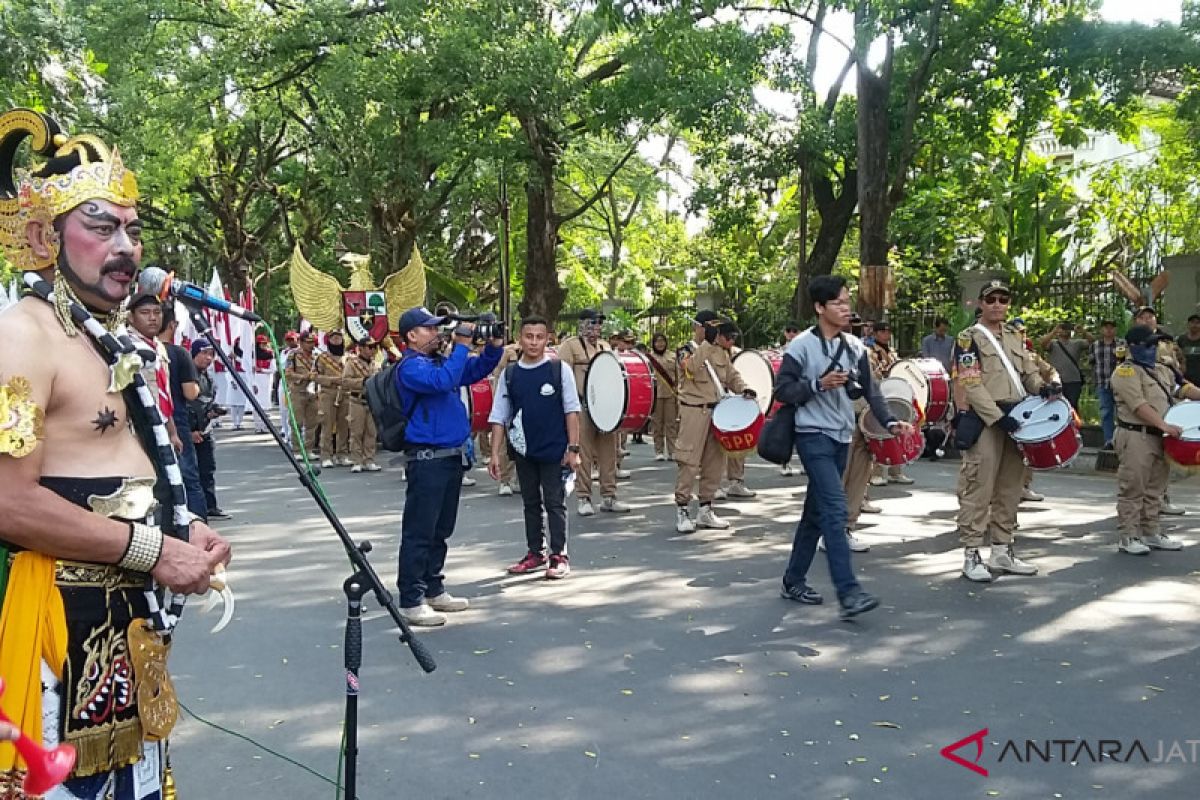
x,y
885,724
484,651
627,691
589,754
1155,688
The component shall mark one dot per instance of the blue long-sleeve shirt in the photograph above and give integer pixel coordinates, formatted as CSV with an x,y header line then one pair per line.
x,y
429,386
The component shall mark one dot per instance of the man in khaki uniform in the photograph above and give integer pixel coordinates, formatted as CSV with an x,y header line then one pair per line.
x,y
597,448
665,420
860,468
735,467
697,453
1144,389
883,358
1168,353
994,372
302,371
333,410
508,470
360,422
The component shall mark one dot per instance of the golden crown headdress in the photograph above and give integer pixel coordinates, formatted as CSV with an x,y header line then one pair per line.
x,y
41,195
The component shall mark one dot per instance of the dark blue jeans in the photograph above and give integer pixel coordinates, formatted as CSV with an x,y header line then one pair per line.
x,y
206,460
430,511
190,468
824,513
1108,408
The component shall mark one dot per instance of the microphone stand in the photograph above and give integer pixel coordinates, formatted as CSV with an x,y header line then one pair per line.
x,y
363,579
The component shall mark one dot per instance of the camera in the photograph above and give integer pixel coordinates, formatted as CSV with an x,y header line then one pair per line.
x,y
488,327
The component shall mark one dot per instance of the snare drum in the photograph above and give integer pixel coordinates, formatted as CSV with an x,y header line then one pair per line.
x,y
736,424
758,369
930,384
619,391
1049,434
900,390
477,399
1184,451
888,449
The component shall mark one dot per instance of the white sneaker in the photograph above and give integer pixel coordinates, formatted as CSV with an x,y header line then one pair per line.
x,y
787,471
720,494
738,489
622,474
1172,510
342,461
469,481
856,545
683,521
505,490
448,602
867,508
973,567
709,519
327,463
1160,541
660,456
423,616
356,468
1133,546
404,476
614,506
1003,559
901,479
1030,496
879,480
371,466
585,507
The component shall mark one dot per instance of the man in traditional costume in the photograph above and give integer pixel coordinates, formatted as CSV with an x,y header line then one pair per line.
x,y
84,627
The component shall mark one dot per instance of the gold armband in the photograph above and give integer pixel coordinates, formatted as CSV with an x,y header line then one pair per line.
x,y
144,548
21,421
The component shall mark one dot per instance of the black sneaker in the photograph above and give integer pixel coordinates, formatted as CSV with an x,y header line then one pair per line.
x,y
856,603
802,593
216,513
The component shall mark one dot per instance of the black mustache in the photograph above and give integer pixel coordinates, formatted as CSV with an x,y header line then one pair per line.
x,y
123,264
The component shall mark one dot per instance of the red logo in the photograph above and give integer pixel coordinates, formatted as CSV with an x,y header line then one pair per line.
x,y
973,765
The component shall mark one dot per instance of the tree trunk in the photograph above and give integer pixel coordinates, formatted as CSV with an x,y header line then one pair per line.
x,y
873,208
836,212
543,294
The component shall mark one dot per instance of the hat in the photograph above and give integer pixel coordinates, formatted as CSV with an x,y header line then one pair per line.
x,y
1144,309
200,344
995,286
705,317
1194,317
306,336
291,336
1017,323
881,326
141,298
590,313
728,329
418,318
627,335
1143,335
1104,322
262,338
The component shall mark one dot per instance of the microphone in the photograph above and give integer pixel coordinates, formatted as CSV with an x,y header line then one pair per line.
x,y
164,284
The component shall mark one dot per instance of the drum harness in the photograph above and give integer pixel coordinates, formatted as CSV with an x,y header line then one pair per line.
x,y
1152,429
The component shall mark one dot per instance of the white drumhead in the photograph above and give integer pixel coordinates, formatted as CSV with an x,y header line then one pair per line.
x,y
735,414
758,374
911,373
1040,419
606,391
1187,416
896,389
901,409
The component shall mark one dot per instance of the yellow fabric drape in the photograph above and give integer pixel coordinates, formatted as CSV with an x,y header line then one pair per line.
x,y
33,628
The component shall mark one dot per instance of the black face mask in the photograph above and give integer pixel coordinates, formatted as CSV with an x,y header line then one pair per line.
x,y
336,349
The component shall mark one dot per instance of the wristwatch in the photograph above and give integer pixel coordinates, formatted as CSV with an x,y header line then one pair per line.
x,y
574,448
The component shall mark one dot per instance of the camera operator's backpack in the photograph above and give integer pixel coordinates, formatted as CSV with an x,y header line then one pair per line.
x,y
382,391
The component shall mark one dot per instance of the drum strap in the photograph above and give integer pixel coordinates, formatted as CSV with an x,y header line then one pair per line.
x,y
661,371
1153,377
1012,371
720,387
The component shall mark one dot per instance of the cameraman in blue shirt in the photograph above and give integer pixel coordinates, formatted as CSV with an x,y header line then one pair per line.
x,y
437,455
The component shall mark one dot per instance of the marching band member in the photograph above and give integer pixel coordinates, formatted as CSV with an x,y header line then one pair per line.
x,y
597,448
1144,388
706,374
665,421
329,367
360,424
994,371
300,373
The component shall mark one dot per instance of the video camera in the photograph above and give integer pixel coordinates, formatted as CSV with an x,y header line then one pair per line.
x,y
487,325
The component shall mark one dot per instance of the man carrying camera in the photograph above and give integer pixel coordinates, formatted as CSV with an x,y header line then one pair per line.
x,y
1066,353
437,454
202,412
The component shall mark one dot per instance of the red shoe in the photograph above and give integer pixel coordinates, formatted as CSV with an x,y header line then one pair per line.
x,y
530,563
560,567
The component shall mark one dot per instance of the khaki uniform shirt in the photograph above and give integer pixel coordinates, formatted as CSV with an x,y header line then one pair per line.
x,y
696,386
329,370
355,374
577,354
666,363
1133,385
299,370
882,359
985,381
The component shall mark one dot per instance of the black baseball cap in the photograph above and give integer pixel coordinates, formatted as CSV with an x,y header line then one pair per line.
x,y
995,286
1143,335
590,313
1144,309
705,317
881,326
418,317
141,298
1194,318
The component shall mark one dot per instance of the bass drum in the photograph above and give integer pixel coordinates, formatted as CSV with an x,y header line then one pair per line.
x,y
930,384
758,369
477,399
894,450
619,391
736,424
1184,451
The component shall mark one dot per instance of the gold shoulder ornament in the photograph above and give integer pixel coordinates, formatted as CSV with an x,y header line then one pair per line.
x,y
964,338
21,421
1125,370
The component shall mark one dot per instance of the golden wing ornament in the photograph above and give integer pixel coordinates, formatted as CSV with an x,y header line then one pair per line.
x,y
405,289
1127,287
318,295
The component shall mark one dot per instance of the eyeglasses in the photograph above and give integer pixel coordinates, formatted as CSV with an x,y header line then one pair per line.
x,y
1002,299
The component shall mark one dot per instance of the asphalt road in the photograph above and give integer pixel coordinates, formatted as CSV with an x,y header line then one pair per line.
x,y
667,666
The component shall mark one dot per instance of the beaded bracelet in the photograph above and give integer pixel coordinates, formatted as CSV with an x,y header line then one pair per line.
x,y
144,548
